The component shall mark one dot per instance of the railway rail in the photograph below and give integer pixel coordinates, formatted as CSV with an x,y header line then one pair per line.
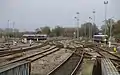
x,y
111,57
18,55
42,52
19,50
107,54
118,57
34,56
14,47
69,66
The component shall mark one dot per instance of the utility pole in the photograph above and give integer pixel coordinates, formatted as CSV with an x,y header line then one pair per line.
x,y
90,28
77,19
8,31
75,27
14,29
93,20
110,29
105,3
111,23
85,31
94,16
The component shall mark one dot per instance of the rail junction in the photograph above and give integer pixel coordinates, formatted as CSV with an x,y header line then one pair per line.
x,y
60,57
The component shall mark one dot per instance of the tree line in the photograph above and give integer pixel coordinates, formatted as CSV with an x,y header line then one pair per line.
x,y
9,32
113,27
57,31
85,30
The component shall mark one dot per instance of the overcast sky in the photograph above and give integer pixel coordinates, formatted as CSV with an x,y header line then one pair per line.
x,y
31,14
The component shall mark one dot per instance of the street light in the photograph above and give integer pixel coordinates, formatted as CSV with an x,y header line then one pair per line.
x,y
111,23
77,19
13,32
93,19
90,28
94,16
75,27
105,3
14,29
8,31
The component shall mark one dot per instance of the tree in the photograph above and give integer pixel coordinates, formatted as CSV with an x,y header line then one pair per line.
x,y
1,32
116,29
95,29
45,30
107,27
103,27
88,29
57,31
38,31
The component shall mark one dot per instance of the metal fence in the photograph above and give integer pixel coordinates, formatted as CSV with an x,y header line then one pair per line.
x,y
108,68
17,68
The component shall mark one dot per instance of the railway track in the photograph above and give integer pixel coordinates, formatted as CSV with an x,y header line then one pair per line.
x,y
106,54
18,55
14,47
115,61
34,56
20,50
33,52
69,66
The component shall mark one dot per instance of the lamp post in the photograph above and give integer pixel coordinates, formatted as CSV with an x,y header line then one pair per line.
x,y
8,31
105,3
77,20
85,31
13,33
94,16
111,23
90,28
13,29
93,21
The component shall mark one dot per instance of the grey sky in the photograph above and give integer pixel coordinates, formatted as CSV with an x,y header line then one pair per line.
x,y
31,14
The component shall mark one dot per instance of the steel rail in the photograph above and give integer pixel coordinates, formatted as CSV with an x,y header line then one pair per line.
x,y
64,69
78,65
110,53
30,56
105,54
5,53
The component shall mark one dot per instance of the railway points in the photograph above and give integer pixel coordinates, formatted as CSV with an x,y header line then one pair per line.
x,y
61,57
